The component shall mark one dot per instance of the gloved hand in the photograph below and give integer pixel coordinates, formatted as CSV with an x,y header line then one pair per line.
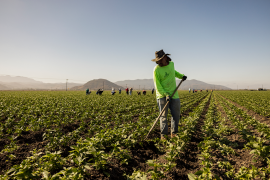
x,y
168,98
184,78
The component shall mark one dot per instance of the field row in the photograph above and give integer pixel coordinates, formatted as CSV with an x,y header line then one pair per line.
x,y
67,135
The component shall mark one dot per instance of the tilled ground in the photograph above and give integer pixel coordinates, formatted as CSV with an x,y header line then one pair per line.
x,y
243,156
187,163
28,141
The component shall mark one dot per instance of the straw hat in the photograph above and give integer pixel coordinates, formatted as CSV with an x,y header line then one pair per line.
x,y
159,55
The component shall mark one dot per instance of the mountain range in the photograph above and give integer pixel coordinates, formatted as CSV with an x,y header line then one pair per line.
x,y
24,83
20,83
149,84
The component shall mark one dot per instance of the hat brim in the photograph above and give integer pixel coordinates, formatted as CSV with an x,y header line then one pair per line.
x,y
157,59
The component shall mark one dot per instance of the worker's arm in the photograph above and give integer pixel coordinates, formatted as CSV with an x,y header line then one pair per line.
x,y
158,85
178,75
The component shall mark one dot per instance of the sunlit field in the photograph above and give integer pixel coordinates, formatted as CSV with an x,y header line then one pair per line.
x,y
71,135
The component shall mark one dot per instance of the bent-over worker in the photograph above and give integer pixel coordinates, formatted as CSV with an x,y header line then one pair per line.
x,y
144,92
87,91
164,79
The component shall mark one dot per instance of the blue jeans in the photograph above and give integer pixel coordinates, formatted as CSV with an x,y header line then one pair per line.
x,y
174,106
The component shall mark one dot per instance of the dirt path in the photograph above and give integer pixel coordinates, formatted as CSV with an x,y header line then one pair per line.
x,y
189,161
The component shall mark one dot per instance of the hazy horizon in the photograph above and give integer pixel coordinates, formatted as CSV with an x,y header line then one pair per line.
x,y
220,42
229,84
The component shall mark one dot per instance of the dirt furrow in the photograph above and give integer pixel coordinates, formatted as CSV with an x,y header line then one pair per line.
x,y
251,113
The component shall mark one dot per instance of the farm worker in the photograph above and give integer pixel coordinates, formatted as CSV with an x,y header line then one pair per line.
x,y
119,90
189,90
164,78
193,90
144,92
130,91
87,91
99,92
113,92
153,90
127,91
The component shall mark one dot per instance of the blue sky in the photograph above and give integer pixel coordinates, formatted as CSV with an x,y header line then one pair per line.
x,y
222,42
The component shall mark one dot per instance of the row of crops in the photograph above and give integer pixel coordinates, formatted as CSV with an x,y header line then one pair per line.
x,y
67,135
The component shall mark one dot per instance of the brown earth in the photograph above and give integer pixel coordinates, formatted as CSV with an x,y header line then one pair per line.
x,y
188,162
262,119
243,156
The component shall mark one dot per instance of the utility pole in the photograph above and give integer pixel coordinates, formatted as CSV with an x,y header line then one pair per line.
x,y
103,85
139,87
126,85
66,84
237,86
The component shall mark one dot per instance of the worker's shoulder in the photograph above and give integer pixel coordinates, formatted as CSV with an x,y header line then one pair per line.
x,y
171,63
156,67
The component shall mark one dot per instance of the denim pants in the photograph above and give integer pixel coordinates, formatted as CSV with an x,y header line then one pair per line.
x,y
174,106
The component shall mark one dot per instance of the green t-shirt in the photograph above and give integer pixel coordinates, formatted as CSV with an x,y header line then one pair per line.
x,y
164,79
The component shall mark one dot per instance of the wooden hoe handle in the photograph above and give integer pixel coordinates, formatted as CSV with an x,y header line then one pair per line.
x,y
163,110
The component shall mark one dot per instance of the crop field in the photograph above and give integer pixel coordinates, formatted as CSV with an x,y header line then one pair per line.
x,y
70,135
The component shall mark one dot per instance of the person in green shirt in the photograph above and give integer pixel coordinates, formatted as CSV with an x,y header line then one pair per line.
x,y
164,79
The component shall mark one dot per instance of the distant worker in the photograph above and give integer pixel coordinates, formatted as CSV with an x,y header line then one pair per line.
x,y
193,90
206,90
113,92
87,91
119,90
189,90
165,84
144,92
126,91
153,90
139,93
99,92
201,90
130,91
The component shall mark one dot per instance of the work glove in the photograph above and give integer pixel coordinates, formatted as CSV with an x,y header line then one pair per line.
x,y
168,98
184,78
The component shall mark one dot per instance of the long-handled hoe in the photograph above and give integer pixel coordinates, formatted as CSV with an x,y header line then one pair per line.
x,y
163,110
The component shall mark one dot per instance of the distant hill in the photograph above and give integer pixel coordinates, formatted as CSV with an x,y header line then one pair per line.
x,y
195,84
2,87
149,84
24,83
18,79
98,84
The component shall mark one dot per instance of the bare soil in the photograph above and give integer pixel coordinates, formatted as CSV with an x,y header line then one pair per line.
x,y
243,156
